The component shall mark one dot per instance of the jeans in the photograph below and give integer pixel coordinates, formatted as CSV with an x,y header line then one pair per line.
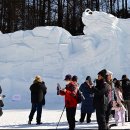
x,y
36,107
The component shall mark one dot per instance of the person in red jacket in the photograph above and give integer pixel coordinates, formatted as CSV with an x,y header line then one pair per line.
x,y
70,93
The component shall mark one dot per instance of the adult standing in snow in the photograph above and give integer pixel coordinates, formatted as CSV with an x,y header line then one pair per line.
x,y
0,90
87,104
114,81
70,93
101,99
126,94
38,91
111,95
1,102
75,81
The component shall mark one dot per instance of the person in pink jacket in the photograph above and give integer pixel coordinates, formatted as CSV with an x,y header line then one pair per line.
x,y
118,105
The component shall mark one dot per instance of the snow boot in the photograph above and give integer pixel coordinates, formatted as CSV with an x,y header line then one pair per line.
x,y
29,122
39,123
88,117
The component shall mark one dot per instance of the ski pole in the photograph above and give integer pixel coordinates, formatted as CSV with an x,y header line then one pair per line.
x,y
60,117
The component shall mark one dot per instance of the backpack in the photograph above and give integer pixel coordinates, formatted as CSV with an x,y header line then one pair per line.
x,y
80,96
1,112
1,103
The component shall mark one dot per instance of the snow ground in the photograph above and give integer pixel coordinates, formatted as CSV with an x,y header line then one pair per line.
x,y
49,119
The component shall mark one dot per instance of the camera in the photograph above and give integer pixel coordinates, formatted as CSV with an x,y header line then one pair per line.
x,y
94,81
3,96
58,89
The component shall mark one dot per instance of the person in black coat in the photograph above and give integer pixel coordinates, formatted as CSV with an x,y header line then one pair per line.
x,y
0,90
126,94
87,104
100,100
1,102
38,92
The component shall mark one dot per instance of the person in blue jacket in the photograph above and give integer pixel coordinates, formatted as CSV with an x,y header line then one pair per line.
x,y
87,104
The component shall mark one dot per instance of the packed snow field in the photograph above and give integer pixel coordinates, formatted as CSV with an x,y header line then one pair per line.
x,y
49,118
52,52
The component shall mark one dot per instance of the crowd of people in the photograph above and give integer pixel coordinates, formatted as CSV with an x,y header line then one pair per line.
x,y
106,95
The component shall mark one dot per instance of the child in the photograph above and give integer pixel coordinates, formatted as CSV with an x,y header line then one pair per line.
x,y
118,105
119,113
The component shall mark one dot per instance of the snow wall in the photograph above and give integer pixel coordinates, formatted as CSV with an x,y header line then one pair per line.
x,y
52,52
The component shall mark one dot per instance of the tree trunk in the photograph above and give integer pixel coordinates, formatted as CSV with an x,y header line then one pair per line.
x,y
74,17
43,13
126,10
60,13
123,9
1,14
23,14
111,6
49,13
67,17
80,22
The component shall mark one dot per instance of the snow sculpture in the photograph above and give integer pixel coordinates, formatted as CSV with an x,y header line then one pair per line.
x,y
52,52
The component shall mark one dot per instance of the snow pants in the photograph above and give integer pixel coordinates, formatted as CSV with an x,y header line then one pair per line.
x,y
101,117
88,119
36,107
108,112
120,115
127,106
70,114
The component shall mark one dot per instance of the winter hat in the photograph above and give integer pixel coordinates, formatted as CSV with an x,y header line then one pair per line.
x,y
115,79
109,72
88,78
74,78
118,84
68,77
103,73
38,78
124,76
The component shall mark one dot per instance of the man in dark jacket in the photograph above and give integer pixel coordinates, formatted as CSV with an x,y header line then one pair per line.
x,y
38,91
101,99
70,93
87,104
126,94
